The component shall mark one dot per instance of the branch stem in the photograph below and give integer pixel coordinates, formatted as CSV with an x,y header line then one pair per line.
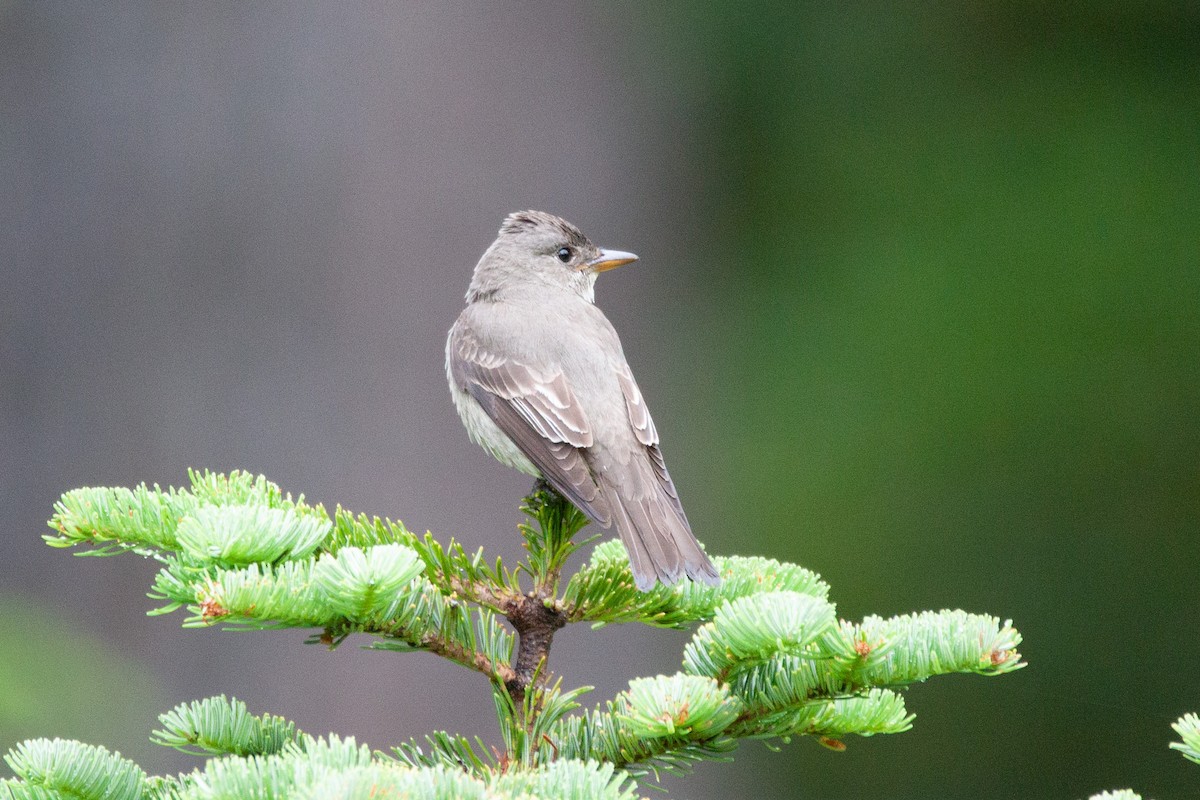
x,y
537,614
469,658
535,621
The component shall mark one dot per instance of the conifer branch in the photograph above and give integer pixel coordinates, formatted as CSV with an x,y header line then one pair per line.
x,y
768,658
536,615
603,592
48,768
220,726
1188,728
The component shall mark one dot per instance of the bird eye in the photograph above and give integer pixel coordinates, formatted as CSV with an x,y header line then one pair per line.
x,y
564,254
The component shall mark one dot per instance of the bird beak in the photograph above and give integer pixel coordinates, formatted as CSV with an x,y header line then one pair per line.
x,y
610,259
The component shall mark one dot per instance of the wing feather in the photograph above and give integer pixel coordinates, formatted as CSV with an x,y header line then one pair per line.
x,y
647,434
540,414
635,406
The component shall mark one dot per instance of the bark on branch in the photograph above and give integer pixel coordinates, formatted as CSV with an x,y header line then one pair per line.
x,y
535,623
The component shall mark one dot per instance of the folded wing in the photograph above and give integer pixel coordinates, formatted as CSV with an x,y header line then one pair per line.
x,y
539,412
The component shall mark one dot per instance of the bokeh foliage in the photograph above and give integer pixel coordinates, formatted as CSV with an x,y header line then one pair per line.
x,y
959,348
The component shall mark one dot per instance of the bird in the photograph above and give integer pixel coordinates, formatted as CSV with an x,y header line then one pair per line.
x,y
540,380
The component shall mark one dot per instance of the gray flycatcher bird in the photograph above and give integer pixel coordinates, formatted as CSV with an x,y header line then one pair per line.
x,y
540,381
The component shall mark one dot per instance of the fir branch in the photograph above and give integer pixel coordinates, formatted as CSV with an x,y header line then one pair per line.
x,y
874,712
470,577
919,646
256,596
568,780
16,790
162,787
243,488
378,781
755,629
1188,728
316,776
679,705
297,767
232,535
220,726
375,591
428,620
450,568
442,749
146,519
603,592
113,520
789,681
668,723
60,767
536,622
301,768
363,531
607,736
526,721
549,540
360,584
769,660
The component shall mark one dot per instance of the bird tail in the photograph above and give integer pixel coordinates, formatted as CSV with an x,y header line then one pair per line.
x,y
658,538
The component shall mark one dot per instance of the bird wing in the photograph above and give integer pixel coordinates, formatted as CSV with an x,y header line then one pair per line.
x,y
635,405
538,411
646,505
647,434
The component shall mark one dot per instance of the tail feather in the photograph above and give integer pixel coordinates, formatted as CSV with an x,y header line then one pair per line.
x,y
657,536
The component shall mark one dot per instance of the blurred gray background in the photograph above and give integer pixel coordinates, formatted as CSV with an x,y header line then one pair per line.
x,y
917,307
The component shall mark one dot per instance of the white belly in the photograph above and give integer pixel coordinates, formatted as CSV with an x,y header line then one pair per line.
x,y
487,435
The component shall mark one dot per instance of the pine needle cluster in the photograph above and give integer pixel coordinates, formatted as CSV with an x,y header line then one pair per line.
x,y
768,658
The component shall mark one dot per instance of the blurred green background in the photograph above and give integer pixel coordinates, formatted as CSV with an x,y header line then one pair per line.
x,y
918,308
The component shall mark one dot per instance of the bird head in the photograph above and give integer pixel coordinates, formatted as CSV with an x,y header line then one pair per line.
x,y
536,248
